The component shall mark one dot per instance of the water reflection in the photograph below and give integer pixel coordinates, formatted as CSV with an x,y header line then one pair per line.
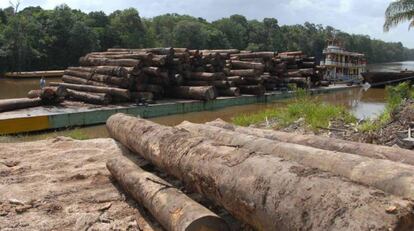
x,y
18,88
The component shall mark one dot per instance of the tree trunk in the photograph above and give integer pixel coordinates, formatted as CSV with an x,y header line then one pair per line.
x,y
389,176
220,84
252,89
245,73
206,76
107,79
198,93
77,80
123,93
19,103
337,145
92,98
232,91
172,208
144,56
85,61
254,55
106,70
264,191
235,64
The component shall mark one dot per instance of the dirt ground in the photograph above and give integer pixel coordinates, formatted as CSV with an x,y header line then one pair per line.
x,y
62,184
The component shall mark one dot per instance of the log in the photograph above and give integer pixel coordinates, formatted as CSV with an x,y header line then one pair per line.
x,y
206,76
262,190
123,93
144,56
106,70
386,175
92,98
245,73
85,61
232,91
217,83
172,208
252,89
49,95
107,79
238,80
326,143
191,92
77,80
254,55
220,51
235,64
18,103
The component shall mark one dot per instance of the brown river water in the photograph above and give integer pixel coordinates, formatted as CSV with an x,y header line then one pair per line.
x,y
363,103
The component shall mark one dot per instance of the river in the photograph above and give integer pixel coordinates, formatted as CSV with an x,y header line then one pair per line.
x,y
362,103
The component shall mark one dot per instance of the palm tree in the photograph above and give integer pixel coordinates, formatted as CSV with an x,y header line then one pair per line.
x,y
397,12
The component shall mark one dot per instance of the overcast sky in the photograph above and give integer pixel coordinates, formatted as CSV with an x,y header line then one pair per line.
x,y
352,16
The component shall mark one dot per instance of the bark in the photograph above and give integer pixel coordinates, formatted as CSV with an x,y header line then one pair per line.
x,y
172,208
238,80
389,176
264,191
206,76
219,84
77,80
144,56
252,89
300,72
123,93
235,64
107,79
106,70
232,91
326,143
191,92
18,103
253,55
245,73
224,51
85,61
92,98
49,95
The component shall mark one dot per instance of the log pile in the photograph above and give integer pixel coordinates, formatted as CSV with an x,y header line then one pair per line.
x,y
265,180
136,75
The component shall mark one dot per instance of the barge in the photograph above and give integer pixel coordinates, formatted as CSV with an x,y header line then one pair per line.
x,y
377,79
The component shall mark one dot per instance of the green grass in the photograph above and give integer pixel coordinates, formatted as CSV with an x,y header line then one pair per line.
x,y
315,113
77,135
395,97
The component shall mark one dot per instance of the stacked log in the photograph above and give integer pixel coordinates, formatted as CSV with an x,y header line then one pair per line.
x,y
135,75
268,186
300,70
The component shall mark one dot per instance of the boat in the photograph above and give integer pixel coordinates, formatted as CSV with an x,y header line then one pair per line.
x,y
383,78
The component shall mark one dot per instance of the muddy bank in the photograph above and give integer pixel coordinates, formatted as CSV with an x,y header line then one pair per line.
x,y
63,184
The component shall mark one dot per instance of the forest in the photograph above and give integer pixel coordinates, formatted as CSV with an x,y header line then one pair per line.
x,y
38,39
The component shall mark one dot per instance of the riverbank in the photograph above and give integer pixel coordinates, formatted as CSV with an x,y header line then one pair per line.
x,y
307,115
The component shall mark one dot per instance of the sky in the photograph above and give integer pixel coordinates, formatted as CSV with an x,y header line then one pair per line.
x,y
352,16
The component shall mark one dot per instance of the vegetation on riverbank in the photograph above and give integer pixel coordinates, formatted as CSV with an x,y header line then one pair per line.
x,y
396,95
314,113
38,39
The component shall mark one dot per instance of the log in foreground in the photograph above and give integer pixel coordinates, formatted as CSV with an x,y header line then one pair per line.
x,y
326,143
188,92
19,103
264,191
388,176
171,207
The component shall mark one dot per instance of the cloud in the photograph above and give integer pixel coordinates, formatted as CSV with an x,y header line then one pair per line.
x,y
352,16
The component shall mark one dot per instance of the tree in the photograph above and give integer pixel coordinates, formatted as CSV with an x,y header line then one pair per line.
x,y
128,28
398,12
